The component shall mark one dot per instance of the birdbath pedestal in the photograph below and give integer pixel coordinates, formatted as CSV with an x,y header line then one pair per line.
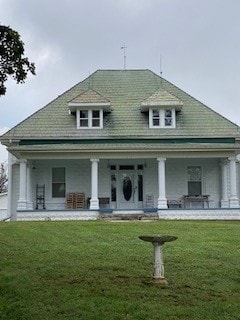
x,y
158,266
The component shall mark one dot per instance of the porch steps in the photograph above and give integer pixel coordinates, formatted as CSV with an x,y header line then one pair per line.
x,y
129,215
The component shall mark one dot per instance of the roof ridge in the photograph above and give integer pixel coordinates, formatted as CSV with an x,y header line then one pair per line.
x,y
123,70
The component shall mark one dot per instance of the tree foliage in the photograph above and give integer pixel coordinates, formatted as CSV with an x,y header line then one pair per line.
x,y
3,178
12,60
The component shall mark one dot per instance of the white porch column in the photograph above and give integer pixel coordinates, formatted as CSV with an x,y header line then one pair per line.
x,y
29,188
224,197
94,202
233,201
10,200
22,201
162,201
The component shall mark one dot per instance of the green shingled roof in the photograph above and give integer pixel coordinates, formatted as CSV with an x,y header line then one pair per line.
x,y
89,96
126,90
162,98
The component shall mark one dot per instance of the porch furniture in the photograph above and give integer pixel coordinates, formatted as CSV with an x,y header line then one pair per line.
x,y
191,202
75,200
174,203
158,266
40,197
149,201
103,202
70,200
80,200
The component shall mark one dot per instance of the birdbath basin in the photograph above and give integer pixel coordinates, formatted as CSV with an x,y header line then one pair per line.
x,y
158,266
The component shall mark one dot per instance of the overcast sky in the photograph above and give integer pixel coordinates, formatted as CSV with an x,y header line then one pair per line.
x,y
198,41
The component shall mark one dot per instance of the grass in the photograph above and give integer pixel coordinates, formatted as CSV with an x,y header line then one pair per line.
x,y
100,270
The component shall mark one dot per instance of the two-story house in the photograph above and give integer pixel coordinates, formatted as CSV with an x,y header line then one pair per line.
x,y
123,141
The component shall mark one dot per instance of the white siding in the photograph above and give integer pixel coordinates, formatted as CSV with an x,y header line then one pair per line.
x,y
78,179
176,178
104,179
3,205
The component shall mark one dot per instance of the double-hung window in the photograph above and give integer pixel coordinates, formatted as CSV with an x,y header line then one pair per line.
x,y
194,180
168,120
87,119
156,118
83,118
58,182
162,118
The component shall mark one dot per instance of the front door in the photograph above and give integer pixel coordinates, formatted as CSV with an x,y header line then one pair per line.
x,y
127,186
127,190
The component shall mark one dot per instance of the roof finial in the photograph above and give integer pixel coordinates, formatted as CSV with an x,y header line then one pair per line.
x,y
89,81
124,57
161,65
161,72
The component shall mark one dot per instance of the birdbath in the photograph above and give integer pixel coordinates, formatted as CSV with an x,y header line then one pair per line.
x,y
158,266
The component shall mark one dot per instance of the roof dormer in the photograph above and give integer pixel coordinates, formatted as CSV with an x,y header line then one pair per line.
x,y
89,107
161,107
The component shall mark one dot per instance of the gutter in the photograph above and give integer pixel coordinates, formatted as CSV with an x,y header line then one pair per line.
x,y
26,142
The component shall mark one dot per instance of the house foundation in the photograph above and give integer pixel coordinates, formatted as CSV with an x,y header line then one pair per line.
x,y
169,214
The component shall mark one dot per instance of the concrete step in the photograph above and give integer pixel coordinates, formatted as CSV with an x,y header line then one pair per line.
x,y
128,216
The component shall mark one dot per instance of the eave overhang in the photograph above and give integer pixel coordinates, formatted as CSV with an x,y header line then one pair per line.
x,y
145,106
122,152
133,140
73,106
107,148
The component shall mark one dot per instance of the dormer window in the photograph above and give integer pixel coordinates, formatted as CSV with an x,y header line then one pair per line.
x,y
169,118
89,119
156,118
162,118
161,107
89,107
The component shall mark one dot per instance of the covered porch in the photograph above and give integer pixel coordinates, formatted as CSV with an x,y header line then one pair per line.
x,y
169,187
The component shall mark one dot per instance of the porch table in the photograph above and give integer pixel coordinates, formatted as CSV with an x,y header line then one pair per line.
x,y
202,200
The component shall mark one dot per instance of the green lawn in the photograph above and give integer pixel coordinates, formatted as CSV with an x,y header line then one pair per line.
x,y
100,270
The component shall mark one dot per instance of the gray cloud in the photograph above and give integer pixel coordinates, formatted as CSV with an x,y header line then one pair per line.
x,y
198,41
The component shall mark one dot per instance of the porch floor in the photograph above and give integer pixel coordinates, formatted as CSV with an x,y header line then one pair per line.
x,y
129,215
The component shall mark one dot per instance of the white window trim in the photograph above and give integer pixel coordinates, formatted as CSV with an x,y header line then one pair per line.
x,y
89,119
57,199
162,118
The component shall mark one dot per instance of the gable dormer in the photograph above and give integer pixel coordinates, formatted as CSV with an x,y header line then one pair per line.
x,y
161,107
89,107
